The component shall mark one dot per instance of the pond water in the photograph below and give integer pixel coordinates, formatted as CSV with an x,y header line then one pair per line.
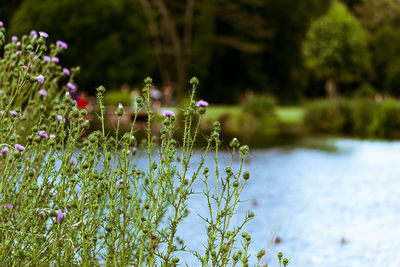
x,y
328,208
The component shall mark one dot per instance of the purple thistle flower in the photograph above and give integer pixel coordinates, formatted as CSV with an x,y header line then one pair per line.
x,y
8,206
13,112
60,215
62,44
43,34
120,181
168,113
19,52
19,147
47,59
1,24
202,103
4,150
71,86
14,39
40,79
66,71
42,92
55,59
59,117
34,34
18,43
43,134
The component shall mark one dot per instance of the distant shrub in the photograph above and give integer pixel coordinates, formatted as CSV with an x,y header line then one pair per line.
x,y
358,117
259,106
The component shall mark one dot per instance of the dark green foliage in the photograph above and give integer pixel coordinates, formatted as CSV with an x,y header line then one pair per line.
x,y
108,38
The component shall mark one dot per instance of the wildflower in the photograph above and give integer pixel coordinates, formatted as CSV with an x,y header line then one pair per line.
x,y
14,39
52,136
60,118
60,215
19,147
66,71
40,79
34,34
202,103
47,59
1,112
43,34
62,44
55,59
1,24
13,112
4,150
42,92
43,134
71,86
168,113
19,52
8,206
120,181
18,43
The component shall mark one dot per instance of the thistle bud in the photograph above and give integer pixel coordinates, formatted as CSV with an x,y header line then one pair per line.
x,y
194,81
120,110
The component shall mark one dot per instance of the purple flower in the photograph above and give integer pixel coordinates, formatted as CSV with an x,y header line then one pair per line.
x,y
55,59
40,79
47,59
71,86
8,206
43,34
1,24
4,150
43,134
19,147
202,103
59,117
13,112
134,148
120,181
52,136
18,43
34,34
19,52
66,71
62,44
60,215
1,112
42,92
168,113
14,39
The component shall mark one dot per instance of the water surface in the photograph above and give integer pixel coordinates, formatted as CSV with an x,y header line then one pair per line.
x,y
329,209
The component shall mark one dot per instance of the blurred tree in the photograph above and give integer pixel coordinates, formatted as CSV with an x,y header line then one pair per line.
x,y
172,37
382,20
108,39
335,48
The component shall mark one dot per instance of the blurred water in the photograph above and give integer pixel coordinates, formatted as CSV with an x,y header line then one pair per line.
x,y
312,200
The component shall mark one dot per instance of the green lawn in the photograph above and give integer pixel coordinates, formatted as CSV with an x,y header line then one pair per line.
x,y
290,115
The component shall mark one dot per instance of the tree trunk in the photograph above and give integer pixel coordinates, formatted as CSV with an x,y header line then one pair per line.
x,y
331,88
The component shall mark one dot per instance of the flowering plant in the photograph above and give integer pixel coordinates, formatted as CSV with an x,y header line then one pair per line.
x,y
73,200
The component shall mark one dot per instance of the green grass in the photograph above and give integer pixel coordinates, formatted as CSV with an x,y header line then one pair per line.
x,y
290,115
